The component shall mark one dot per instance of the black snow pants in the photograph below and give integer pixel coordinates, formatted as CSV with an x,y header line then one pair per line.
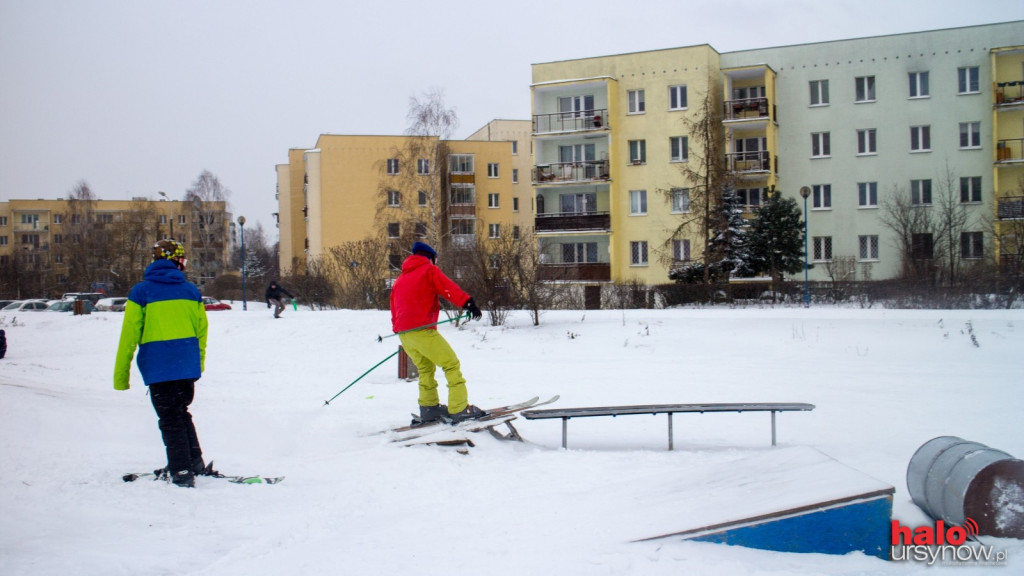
x,y
171,401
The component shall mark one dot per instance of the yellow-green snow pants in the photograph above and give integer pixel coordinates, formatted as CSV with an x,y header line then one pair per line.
x,y
428,350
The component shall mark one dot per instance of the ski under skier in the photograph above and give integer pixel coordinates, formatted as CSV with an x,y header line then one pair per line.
x,y
415,303
165,319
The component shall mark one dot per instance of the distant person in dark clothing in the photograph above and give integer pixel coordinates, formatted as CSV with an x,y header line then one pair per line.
x,y
3,343
274,296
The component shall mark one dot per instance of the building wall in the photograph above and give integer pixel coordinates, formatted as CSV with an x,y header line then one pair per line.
x,y
890,60
518,131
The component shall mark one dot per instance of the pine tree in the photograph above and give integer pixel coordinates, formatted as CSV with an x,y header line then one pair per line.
x,y
775,239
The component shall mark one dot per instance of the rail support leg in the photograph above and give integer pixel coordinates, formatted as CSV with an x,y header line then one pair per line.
x,y
773,427
670,447
565,430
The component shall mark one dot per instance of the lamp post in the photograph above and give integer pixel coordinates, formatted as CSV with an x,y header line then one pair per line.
x,y
805,192
241,225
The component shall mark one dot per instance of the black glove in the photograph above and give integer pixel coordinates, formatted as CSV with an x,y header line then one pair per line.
x,y
470,307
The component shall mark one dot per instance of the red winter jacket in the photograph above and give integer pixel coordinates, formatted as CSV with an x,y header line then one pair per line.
x,y
414,296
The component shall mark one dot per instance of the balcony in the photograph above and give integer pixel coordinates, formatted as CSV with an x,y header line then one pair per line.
x,y
1010,150
573,221
1010,208
592,272
570,172
748,162
746,109
561,122
1009,93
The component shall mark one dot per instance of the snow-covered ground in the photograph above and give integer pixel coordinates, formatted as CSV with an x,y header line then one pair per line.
x,y
884,382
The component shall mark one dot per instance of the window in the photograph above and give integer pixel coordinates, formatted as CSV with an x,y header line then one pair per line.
x,y
821,145
921,192
867,194
163,219
819,92
821,195
493,201
579,252
920,138
971,245
866,141
637,151
515,175
460,164
420,229
393,230
422,197
394,198
918,84
3,240
638,253
822,248
680,148
423,166
865,91
636,101
77,219
921,246
970,189
677,97
463,226
970,135
638,202
515,232
392,165
515,147
494,230
59,219
750,198
3,220
492,170
967,80
515,204
680,200
680,250
58,239
868,247
463,194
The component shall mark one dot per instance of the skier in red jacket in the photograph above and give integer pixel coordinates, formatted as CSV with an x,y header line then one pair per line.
x,y
414,303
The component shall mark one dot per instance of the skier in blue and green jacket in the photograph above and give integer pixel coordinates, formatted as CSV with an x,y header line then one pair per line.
x,y
165,319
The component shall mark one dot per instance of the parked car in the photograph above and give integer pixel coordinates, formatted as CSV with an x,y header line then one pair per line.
x,y
68,306
108,304
90,296
214,304
4,303
26,306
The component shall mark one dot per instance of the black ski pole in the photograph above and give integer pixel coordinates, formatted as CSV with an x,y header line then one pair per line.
x,y
327,402
459,317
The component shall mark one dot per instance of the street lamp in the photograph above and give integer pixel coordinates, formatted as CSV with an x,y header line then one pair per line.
x,y
241,225
805,192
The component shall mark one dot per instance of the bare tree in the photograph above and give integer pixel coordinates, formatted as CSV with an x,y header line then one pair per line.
x,y
206,201
708,177
134,234
913,234
951,220
359,270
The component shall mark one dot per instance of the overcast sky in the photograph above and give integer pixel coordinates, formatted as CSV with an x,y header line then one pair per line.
x,y
135,96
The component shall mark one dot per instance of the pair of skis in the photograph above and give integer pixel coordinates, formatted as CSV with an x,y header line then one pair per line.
x,y
439,431
209,472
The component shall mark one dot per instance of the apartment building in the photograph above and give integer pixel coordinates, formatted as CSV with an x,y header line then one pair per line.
x,y
58,246
856,122
450,193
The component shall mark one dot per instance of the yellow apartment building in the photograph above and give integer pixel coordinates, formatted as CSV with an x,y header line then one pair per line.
x,y
1008,142
58,246
448,193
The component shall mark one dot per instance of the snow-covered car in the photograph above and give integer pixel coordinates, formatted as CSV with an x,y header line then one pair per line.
x,y
111,304
213,304
26,306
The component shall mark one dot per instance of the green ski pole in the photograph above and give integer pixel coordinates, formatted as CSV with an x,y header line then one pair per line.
x,y
460,317
327,402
